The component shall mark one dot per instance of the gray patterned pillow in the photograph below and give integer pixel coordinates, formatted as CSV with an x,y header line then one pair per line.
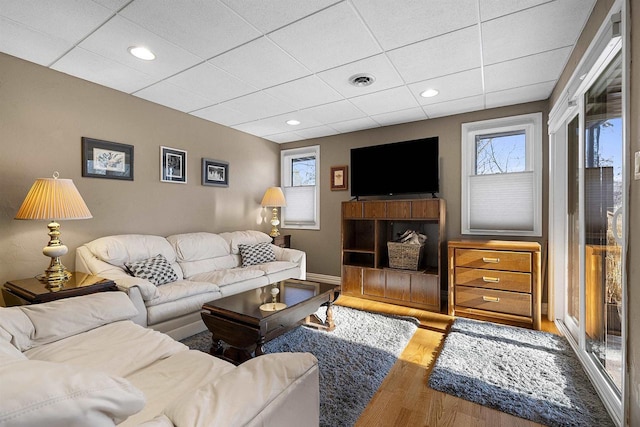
x,y
156,269
256,254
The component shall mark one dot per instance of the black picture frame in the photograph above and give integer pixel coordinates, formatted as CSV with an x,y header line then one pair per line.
x,y
106,159
173,165
215,173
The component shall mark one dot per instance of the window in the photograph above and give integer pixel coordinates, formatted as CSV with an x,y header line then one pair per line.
x,y
502,176
300,183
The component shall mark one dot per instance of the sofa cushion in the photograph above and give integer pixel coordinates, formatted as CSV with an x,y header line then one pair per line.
x,y
256,254
191,269
274,266
198,246
35,393
174,309
118,250
180,289
228,276
155,269
38,324
248,237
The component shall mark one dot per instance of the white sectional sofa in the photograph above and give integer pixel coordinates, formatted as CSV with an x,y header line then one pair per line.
x,y
81,362
207,266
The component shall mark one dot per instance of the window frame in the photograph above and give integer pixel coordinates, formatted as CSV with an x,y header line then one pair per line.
x,y
286,158
531,124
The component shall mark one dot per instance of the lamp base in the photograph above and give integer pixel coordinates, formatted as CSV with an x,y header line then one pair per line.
x,y
56,274
275,222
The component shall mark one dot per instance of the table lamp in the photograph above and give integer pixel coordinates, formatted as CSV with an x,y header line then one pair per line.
x,y
54,199
274,197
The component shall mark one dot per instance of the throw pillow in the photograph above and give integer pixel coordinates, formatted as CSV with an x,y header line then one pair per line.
x,y
256,254
156,269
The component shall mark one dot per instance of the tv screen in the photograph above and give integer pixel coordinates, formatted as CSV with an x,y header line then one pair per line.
x,y
409,167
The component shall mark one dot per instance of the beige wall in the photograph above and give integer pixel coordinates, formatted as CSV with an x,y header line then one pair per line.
x,y
44,114
323,246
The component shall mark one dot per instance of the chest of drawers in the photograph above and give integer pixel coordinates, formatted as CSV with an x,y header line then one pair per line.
x,y
496,281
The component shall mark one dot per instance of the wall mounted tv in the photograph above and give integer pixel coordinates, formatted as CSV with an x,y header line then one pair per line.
x,y
409,167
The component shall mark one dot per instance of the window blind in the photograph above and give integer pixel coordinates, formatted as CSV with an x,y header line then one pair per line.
x,y
301,205
502,201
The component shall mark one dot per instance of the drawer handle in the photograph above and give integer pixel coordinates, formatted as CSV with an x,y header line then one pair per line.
x,y
490,279
490,260
490,299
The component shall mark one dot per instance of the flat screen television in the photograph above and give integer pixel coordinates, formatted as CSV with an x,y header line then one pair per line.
x,y
409,167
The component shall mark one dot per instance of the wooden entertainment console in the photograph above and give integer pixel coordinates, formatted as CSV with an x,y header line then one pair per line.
x,y
367,226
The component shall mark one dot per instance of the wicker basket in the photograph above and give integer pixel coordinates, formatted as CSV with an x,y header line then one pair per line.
x,y
405,256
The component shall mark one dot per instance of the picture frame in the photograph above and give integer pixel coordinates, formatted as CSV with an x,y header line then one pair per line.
x,y
339,178
173,165
106,159
215,172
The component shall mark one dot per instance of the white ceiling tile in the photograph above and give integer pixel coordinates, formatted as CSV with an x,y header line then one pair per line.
x,y
454,86
398,23
259,105
222,115
211,83
334,112
171,96
458,106
379,66
282,138
385,101
95,68
490,9
206,28
538,29
274,125
304,92
355,125
114,38
327,39
317,132
273,14
23,42
114,5
526,71
260,63
520,95
396,117
70,20
447,54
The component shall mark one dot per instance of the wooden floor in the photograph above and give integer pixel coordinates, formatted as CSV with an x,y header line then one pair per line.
x,y
405,399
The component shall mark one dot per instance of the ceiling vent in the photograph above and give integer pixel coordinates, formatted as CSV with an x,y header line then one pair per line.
x,y
362,80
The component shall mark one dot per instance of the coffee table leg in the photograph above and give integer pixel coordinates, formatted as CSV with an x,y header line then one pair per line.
x,y
259,351
330,323
216,346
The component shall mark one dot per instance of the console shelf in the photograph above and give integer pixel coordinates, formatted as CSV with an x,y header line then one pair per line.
x,y
367,226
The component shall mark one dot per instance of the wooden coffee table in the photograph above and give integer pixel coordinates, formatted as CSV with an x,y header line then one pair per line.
x,y
238,321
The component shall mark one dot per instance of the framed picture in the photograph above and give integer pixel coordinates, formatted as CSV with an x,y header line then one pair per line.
x,y
339,178
215,172
104,159
173,165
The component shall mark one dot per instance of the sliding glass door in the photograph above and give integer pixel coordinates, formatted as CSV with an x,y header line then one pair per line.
x,y
595,182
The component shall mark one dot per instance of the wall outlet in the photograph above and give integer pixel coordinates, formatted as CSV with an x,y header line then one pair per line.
x,y
636,167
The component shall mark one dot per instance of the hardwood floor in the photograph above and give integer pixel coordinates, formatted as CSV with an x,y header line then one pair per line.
x,y
405,399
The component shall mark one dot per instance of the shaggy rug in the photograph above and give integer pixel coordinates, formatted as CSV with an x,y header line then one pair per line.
x,y
353,359
529,374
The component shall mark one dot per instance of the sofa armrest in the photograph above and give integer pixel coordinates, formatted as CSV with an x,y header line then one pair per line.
x,y
272,380
292,255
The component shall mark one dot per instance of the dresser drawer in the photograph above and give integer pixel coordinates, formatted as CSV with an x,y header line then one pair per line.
x,y
492,300
493,279
493,260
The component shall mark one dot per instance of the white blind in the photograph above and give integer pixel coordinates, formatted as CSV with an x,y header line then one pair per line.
x,y
502,201
301,205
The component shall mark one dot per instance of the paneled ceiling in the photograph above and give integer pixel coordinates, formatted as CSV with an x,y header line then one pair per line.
x,y
253,65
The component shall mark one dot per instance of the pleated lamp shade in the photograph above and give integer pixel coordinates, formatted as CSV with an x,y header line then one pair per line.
x,y
274,197
53,199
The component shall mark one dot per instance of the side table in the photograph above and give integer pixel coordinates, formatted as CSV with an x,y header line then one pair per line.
x,y
284,241
32,291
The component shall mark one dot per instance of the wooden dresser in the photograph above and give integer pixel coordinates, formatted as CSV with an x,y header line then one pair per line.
x,y
497,281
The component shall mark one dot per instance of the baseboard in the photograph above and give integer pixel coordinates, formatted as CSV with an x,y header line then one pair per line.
x,y
332,280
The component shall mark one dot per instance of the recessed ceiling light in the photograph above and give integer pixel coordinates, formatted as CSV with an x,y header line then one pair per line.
x,y
142,52
362,80
293,122
429,93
